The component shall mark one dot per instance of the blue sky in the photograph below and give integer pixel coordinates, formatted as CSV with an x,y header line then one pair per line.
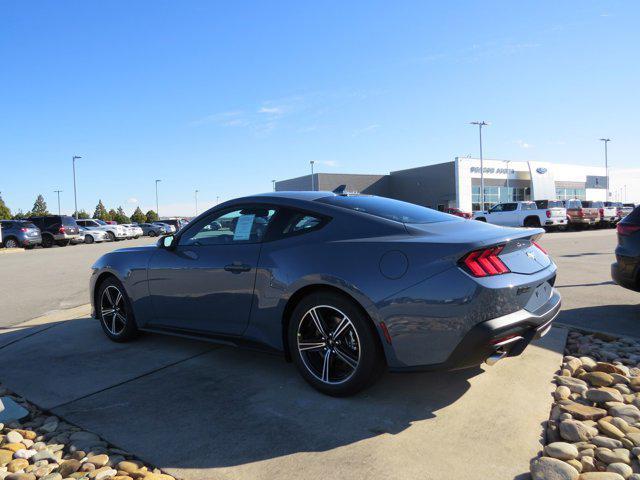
x,y
223,97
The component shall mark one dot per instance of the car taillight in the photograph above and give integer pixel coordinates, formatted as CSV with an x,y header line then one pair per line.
x,y
548,213
601,212
626,229
23,230
61,229
581,213
540,248
485,262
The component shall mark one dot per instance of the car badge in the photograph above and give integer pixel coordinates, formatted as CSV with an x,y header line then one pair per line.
x,y
531,256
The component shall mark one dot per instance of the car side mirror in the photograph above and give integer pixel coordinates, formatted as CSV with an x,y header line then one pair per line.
x,y
167,242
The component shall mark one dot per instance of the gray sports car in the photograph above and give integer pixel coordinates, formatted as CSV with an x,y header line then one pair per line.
x,y
343,285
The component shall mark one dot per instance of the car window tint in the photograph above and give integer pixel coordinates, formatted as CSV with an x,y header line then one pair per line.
x,y
510,207
498,208
388,208
301,222
246,225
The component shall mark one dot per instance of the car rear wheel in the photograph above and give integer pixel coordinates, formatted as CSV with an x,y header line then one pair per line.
x,y
333,344
88,239
111,236
47,241
114,311
532,222
11,243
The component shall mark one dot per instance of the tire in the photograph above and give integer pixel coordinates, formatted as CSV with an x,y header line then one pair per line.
x,y
339,366
532,222
47,241
11,243
111,236
482,219
152,233
119,326
88,239
63,243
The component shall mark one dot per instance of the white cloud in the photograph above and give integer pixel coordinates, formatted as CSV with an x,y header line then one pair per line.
x,y
132,200
271,110
523,144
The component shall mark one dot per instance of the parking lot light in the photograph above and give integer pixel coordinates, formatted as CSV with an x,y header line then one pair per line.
x,y
481,124
157,205
196,195
58,192
606,164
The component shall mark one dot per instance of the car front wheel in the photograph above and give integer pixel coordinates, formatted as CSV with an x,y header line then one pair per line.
x,y
114,311
334,344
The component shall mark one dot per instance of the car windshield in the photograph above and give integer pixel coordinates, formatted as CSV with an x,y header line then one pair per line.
x,y
101,222
388,208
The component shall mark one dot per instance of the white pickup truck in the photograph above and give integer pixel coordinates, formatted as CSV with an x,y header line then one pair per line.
x,y
542,213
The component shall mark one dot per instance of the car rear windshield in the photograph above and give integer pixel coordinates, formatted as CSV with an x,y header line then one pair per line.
x,y
633,217
27,225
387,208
590,204
549,204
69,221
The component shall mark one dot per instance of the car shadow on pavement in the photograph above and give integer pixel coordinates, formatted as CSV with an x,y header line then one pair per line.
x,y
616,319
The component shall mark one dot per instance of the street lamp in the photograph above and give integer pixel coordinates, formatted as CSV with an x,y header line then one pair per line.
x,y
313,186
273,182
196,192
508,191
606,163
157,205
481,124
75,196
58,192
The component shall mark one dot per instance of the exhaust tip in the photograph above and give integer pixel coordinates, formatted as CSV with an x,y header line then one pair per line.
x,y
494,358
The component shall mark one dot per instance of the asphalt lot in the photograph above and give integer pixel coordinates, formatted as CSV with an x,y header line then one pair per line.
x,y
40,281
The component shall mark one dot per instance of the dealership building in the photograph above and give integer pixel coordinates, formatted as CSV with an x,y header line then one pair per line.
x,y
457,183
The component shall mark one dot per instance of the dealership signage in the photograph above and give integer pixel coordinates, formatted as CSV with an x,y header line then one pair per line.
x,y
499,171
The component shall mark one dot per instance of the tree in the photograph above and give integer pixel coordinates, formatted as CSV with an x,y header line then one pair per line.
x,y
100,212
39,207
82,214
138,216
121,217
111,215
152,216
20,215
5,213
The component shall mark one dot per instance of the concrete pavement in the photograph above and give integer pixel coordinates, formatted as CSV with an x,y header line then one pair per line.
x,y
202,411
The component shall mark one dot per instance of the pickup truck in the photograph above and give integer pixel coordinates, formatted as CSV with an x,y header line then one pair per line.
x,y
580,215
608,215
525,214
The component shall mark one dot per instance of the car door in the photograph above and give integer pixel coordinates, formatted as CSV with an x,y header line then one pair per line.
x,y
494,215
206,282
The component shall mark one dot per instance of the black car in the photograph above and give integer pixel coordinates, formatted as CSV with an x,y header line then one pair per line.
x,y
20,233
57,229
626,270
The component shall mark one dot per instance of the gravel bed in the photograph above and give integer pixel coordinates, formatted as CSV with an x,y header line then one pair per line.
x,y
43,446
593,432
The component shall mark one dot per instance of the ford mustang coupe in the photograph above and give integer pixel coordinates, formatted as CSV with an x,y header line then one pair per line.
x,y
343,285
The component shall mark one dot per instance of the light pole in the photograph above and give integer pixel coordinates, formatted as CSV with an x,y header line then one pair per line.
x,y
196,192
508,191
157,204
313,186
481,124
606,163
58,192
75,196
273,182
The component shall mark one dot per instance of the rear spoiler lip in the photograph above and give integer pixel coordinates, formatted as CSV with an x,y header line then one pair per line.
x,y
532,234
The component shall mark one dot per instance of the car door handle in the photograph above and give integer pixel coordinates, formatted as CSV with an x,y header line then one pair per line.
x,y
237,268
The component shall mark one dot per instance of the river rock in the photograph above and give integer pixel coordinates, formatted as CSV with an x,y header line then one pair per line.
x,y
561,450
546,468
621,469
603,395
576,431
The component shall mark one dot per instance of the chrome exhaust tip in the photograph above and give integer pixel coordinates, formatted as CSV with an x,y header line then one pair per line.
x,y
494,358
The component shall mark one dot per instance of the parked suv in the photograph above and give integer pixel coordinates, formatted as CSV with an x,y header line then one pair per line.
x,y
114,231
151,229
20,233
580,215
626,271
58,229
176,223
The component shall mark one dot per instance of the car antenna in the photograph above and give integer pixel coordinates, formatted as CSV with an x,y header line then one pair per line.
x,y
340,190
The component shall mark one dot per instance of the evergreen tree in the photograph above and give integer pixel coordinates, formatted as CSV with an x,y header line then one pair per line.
x,y
138,216
20,215
121,217
82,215
111,215
100,212
152,216
39,207
5,213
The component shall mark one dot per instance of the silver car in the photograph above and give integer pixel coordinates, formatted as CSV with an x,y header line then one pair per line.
x,y
92,235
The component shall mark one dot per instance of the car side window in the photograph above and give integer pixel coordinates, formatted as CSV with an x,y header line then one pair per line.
x,y
510,207
244,225
497,208
301,222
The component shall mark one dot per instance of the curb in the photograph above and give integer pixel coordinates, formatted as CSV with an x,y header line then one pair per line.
x,y
7,251
589,331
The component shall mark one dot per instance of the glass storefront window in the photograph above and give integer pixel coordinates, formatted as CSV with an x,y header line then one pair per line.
x,y
495,195
569,193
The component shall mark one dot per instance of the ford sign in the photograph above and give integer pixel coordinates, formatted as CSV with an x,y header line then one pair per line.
x,y
541,170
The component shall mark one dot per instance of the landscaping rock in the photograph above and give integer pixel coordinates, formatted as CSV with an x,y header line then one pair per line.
x,y
561,450
546,468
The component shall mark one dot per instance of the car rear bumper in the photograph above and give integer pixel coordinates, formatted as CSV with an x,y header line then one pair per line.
x,y
31,241
555,221
585,221
505,336
626,272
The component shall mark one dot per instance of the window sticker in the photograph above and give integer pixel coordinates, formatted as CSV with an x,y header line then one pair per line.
x,y
243,227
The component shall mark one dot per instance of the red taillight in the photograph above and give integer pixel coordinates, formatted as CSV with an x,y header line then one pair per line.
x,y
24,230
581,213
61,229
485,262
540,248
548,213
601,212
626,229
